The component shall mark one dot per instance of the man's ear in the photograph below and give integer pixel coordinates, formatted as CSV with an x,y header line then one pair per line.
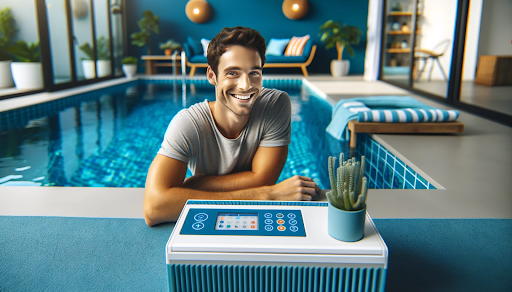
x,y
211,76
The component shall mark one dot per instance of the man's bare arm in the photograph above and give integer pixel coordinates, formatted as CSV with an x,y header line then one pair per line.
x,y
165,196
267,164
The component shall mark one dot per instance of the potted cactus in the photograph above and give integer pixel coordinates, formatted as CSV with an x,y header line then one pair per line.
x,y
347,199
129,66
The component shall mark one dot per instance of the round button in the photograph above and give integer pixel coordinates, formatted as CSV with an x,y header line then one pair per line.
x,y
268,221
280,221
220,226
279,215
269,227
294,228
268,215
291,216
245,226
198,226
221,221
200,217
293,221
236,226
253,222
229,226
281,228
252,226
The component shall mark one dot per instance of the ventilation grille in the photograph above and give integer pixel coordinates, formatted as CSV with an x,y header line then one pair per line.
x,y
228,278
269,203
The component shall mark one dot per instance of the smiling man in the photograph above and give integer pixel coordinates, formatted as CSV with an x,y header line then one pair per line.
x,y
236,146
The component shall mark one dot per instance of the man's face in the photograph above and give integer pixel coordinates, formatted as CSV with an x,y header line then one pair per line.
x,y
238,81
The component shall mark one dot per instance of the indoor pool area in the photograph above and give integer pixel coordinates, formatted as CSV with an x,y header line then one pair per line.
x,y
431,203
146,146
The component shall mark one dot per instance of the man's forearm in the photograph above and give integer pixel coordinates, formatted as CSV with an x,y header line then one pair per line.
x,y
227,183
166,205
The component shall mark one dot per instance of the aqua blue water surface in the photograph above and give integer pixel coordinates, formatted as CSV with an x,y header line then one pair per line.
x,y
110,138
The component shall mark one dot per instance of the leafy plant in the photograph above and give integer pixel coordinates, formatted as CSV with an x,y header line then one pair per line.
x,y
342,36
149,23
130,60
350,190
103,52
170,45
7,30
24,52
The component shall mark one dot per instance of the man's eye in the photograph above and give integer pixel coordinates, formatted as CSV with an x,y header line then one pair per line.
x,y
231,73
255,73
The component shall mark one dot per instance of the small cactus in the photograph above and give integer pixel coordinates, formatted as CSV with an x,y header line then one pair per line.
x,y
348,192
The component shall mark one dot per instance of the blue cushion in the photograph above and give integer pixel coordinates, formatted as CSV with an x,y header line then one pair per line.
x,y
195,45
188,51
276,47
283,59
307,49
198,59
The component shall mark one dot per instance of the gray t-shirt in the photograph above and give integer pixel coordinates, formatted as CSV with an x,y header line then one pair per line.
x,y
193,137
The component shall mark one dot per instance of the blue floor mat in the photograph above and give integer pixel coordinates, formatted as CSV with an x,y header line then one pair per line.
x,y
103,254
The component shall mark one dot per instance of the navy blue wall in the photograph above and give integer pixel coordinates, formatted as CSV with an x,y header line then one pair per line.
x,y
266,16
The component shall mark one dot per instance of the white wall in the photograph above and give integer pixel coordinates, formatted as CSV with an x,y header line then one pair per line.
x,y
438,24
496,28
24,12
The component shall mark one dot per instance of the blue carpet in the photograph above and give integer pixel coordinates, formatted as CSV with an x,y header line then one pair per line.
x,y
101,254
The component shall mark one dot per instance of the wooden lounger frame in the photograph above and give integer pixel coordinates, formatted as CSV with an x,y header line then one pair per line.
x,y
303,66
391,128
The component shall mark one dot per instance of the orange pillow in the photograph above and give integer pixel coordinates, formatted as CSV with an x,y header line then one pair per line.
x,y
296,46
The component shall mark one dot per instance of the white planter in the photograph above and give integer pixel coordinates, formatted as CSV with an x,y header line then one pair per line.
x,y
89,69
27,75
340,68
5,74
104,68
129,70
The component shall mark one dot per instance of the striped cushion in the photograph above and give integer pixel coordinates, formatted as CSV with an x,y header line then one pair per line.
x,y
296,46
408,115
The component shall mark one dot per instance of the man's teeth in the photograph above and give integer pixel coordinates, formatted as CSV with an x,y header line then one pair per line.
x,y
242,96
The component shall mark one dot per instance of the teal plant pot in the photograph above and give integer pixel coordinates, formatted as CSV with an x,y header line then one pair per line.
x,y
345,225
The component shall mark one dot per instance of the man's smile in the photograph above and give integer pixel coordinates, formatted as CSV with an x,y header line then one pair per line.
x,y
244,97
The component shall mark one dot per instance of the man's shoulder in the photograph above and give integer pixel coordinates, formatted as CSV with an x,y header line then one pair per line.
x,y
273,96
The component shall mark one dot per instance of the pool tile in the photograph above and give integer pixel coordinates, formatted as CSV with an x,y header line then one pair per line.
x,y
420,185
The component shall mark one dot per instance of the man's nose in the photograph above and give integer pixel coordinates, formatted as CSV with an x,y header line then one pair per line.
x,y
244,84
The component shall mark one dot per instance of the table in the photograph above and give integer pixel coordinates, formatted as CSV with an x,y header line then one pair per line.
x,y
151,63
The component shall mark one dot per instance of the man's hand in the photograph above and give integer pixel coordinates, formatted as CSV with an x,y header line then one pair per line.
x,y
296,188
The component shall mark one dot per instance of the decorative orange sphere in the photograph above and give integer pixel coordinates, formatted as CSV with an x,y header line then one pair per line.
x,y
295,9
198,11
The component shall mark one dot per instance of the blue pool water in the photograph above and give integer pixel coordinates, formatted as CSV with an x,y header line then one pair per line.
x,y
108,137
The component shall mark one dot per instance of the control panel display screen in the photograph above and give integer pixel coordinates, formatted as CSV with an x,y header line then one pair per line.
x,y
237,221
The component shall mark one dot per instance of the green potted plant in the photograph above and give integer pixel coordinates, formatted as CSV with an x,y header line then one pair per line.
x,y
27,72
103,62
149,23
342,36
129,66
7,30
169,47
347,199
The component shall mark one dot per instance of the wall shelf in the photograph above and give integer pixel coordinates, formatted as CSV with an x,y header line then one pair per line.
x,y
398,50
401,13
399,32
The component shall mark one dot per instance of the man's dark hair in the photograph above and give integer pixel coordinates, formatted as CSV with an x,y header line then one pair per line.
x,y
231,36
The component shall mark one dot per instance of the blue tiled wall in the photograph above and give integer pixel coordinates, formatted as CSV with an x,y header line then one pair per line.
x,y
386,171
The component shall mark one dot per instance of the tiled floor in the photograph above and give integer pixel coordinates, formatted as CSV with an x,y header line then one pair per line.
x,y
474,168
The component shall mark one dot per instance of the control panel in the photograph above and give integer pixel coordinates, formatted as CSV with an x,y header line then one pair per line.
x,y
255,222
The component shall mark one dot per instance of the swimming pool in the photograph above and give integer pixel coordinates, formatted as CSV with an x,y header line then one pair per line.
x,y
108,137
